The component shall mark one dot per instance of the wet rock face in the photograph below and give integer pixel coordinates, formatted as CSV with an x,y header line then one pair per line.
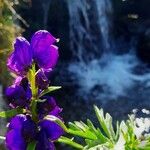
x,y
131,19
143,50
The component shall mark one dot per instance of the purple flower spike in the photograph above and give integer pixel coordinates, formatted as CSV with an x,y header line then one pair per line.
x,y
21,59
44,53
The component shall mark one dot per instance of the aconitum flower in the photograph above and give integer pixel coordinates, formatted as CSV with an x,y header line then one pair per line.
x,y
19,93
23,130
49,107
40,51
33,63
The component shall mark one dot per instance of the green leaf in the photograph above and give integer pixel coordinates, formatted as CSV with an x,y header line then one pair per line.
x,y
32,145
98,133
69,141
81,129
105,123
49,89
73,126
85,134
12,112
81,125
100,147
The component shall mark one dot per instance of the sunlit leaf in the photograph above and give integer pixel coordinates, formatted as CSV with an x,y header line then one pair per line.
x,y
12,112
49,89
69,141
32,145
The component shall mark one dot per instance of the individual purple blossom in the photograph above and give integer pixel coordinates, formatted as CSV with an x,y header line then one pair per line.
x,y
20,127
19,93
43,143
40,51
22,130
49,107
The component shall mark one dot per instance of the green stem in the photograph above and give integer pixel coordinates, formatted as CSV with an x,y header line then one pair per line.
x,y
70,142
34,90
31,77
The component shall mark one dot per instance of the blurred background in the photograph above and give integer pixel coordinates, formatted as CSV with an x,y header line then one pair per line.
x,y
104,51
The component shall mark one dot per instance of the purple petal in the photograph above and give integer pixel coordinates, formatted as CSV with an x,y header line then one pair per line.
x,y
43,142
17,122
16,95
29,129
41,80
47,107
21,59
14,140
42,37
18,80
56,111
48,72
52,130
44,53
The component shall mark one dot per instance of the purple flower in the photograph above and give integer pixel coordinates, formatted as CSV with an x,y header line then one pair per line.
x,y
43,142
19,93
41,51
15,141
48,107
20,60
21,130
52,130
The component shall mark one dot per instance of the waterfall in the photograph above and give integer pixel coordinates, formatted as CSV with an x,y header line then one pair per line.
x,y
45,5
90,27
105,14
95,67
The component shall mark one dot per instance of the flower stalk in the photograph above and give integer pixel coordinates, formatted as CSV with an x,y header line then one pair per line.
x,y
28,96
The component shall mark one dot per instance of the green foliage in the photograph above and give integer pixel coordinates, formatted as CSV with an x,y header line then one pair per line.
x,y
12,112
106,136
8,31
32,145
49,89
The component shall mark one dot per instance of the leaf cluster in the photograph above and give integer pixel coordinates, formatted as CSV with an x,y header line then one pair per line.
x,y
106,136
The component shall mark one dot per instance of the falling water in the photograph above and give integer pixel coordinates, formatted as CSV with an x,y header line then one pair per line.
x,y
105,12
95,67
45,5
90,27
